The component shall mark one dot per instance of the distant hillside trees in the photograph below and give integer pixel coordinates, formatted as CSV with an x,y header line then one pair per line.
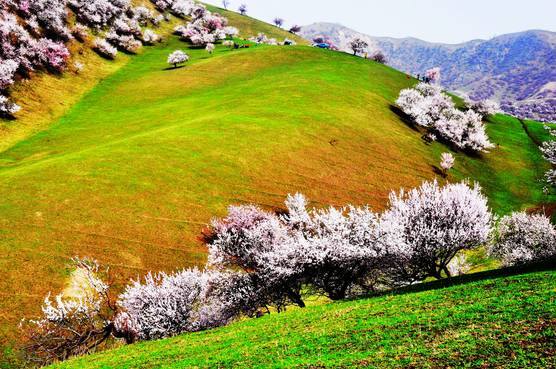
x,y
379,57
278,22
177,57
523,238
295,29
205,27
483,107
358,45
433,75
33,34
429,107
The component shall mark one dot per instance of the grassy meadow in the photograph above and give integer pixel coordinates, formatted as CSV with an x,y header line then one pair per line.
x,y
488,320
137,158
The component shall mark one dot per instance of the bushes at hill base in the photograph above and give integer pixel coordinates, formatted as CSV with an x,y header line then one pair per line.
x,y
430,108
260,260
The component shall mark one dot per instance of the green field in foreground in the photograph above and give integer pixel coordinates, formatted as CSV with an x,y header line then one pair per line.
x,y
488,320
135,170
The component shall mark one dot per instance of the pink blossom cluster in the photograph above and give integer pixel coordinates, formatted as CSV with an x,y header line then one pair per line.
x,y
205,27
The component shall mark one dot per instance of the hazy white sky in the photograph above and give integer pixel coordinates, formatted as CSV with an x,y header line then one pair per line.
x,y
449,21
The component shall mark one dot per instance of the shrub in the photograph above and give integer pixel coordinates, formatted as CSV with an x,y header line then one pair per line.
x,y
447,161
51,14
99,13
75,325
295,29
150,37
7,73
437,223
177,57
103,48
80,32
210,48
523,238
124,42
379,57
7,107
433,75
53,55
548,149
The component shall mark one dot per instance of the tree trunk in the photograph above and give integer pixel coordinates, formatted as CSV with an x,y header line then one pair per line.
x,y
296,298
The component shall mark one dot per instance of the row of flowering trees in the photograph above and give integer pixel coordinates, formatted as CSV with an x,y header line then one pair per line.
x,y
432,109
260,260
34,34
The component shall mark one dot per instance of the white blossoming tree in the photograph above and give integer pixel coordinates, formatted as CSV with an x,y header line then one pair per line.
x,y
358,45
429,107
447,162
522,238
437,223
177,57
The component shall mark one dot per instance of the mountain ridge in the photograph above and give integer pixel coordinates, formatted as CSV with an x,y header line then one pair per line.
x,y
515,69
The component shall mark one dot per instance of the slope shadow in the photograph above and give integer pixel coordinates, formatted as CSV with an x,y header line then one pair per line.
x,y
175,68
404,118
547,265
411,124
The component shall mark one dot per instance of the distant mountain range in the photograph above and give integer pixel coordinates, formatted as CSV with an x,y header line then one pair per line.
x,y
518,70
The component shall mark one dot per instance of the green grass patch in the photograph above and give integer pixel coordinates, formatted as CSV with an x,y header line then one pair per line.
x,y
489,320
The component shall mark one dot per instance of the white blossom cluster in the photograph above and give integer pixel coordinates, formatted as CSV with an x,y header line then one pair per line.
x,y
258,259
429,107
548,149
524,238
177,57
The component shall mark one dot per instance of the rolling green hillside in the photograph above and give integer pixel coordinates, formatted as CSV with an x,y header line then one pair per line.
x,y
133,164
491,321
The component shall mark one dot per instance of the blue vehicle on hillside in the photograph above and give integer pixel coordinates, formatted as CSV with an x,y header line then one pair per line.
x,y
322,45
